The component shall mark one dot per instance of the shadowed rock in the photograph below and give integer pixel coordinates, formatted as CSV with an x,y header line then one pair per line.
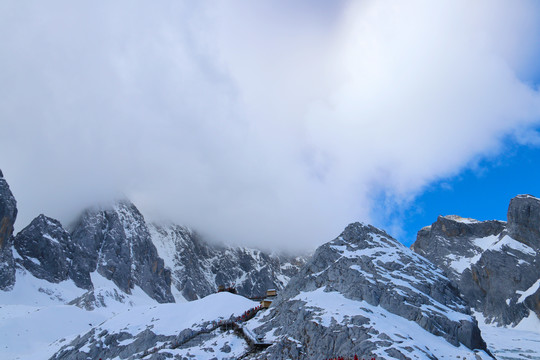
x,y
8,214
45,249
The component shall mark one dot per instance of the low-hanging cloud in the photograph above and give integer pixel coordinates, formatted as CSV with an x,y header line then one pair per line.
x,y
271,124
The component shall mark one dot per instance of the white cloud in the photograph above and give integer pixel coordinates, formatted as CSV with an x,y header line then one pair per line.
x,y
265,123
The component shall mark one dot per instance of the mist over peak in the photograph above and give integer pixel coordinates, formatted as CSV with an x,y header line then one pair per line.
x,y
268,123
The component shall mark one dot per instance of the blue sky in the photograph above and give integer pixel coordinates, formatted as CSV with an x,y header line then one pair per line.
x,y
482,193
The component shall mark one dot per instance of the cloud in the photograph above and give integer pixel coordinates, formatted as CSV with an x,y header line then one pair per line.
x,y
270,124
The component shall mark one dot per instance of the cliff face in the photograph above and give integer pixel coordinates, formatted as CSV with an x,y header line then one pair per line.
x,y
199,268
8,214
495,265
524,220
117,244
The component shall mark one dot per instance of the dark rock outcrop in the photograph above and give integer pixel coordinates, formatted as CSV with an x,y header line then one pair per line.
x,y
8,214
384,280
46,250
116,242
492,263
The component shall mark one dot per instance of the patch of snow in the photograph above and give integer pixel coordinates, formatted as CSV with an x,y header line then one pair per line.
x,y
527,196
486,242
530,323
525,294
34,260
507,241
49,237
461,219
16,254
518,343
492,242
170,319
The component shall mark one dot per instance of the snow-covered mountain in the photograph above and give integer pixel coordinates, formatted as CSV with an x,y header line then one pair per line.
x,y
199,268
185,330
365,293
495,265
105,289
117,243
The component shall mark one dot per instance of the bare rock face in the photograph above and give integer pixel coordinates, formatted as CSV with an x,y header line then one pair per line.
x,y
8,214
452,237
495,265
198,268
116,242
524,220
352,287
46,250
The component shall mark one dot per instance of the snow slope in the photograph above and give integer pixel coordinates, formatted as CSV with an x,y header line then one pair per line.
x,y
36,320
389,331
173,329
517,343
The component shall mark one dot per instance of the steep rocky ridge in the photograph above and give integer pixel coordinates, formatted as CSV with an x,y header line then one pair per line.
x,y
366,293
117,244
495,265
114,242
198,267
8,214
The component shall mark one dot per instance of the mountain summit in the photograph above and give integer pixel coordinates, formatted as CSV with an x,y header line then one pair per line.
x,y
495,265
366,293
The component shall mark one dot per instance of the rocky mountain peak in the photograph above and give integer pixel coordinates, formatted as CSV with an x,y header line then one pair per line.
x,y
457,226
524,220
44,249
368,269
363,235
492,263
115,242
